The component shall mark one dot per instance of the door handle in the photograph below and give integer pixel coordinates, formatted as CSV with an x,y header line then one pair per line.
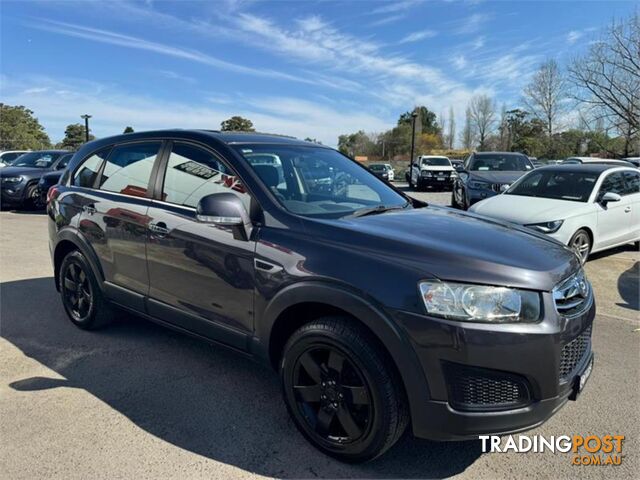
x,y
627,210
159,229
90,209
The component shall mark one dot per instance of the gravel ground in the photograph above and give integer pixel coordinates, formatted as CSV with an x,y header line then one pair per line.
x,y
139,401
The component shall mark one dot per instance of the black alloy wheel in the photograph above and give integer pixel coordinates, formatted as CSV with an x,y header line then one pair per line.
x,y
81,295
77,292
342,390
332,395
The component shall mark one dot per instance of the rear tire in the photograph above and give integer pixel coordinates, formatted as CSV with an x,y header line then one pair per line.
x,y
581,244
81,295
31,198
341,390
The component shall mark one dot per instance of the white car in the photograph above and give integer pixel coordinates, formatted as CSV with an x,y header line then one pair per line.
x,y
391,172
9,156
590,160
432,171
587,207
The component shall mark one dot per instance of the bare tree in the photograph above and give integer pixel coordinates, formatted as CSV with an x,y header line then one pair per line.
x,y
451,136
607,78
468,135
544,96
483,117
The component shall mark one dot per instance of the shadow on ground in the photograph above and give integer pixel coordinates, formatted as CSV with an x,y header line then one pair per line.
x,y
198,397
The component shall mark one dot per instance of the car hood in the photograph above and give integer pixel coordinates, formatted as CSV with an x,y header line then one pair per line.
x,y
528,210
452,245
495,176
23,171
437,169
55,175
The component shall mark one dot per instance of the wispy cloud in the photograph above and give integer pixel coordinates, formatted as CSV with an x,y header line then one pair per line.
x,y
459,61
386,20
395,6
472,23
417,36
573,36
127,41
171,75
113,109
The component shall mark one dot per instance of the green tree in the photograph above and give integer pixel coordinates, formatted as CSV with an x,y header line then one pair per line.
x,y
312,140
425,123
128,130
74,136
237,124
20,130
358,143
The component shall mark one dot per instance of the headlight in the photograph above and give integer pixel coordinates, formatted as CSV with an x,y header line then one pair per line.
x,y
454,174
425,173
475,184
11,179
546,227
479,303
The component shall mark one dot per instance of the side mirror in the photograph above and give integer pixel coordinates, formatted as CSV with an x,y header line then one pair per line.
x,y
225,209
610,197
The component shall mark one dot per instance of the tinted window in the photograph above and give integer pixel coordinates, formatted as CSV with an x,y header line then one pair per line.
x,y
193,172
128,169
561,185
36,159
64,161
614,183
436,162
500,162
320,182
87,172
632,182
9,157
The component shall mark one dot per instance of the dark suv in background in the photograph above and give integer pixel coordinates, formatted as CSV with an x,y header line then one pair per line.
x,y
485,174
378,311
19,181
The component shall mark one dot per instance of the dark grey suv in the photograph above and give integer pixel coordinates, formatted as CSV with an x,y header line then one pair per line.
x,y
378,311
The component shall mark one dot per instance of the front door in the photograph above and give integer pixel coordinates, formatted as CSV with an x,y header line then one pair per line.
x,y
201,277
614,218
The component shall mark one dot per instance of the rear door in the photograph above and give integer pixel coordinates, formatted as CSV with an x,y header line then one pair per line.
x,y
632,191
115,219
614,219
201,277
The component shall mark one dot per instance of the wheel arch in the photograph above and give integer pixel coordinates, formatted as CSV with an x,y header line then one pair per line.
x,y
69,241
283,315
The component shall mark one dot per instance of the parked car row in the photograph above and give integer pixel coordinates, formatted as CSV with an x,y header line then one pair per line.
x,y
20,180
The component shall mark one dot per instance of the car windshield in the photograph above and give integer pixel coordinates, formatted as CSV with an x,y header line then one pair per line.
x,y
378,168
561,185
320,182
500,162
436,162
35,160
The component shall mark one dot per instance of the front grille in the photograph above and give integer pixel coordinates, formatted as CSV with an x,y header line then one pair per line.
x,y
573,353
481,389
573,296
497,187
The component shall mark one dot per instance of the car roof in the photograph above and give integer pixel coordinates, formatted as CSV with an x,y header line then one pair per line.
x,y
500,153
588,168
229,138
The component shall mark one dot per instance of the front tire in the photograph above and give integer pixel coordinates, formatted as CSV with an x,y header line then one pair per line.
x,y
81,296
581,244
341,391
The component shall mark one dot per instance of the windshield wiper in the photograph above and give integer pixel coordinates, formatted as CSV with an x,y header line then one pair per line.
x,y
377,209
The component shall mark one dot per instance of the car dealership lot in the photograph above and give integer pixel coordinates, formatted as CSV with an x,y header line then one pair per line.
x,y
136,400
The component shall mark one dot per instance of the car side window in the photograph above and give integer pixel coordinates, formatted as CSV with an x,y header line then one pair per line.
x,y
614,183
87,172
193,172
128,168
632,182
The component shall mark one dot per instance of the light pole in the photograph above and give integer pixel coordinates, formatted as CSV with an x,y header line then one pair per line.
x,y
86,126
414,115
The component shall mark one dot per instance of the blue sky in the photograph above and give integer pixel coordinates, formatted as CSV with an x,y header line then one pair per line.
x,y
313,68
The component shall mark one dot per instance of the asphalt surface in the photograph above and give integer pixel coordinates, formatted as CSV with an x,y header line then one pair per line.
x,y
138,401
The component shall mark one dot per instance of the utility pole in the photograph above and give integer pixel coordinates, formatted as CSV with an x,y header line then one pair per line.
x,y
86,126
414,115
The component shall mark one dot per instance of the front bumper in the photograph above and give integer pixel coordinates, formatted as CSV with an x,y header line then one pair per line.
x,y
532,354
476,195
435,181
12,194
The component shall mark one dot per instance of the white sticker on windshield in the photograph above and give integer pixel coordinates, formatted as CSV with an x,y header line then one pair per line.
x,y
483,168
247,150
